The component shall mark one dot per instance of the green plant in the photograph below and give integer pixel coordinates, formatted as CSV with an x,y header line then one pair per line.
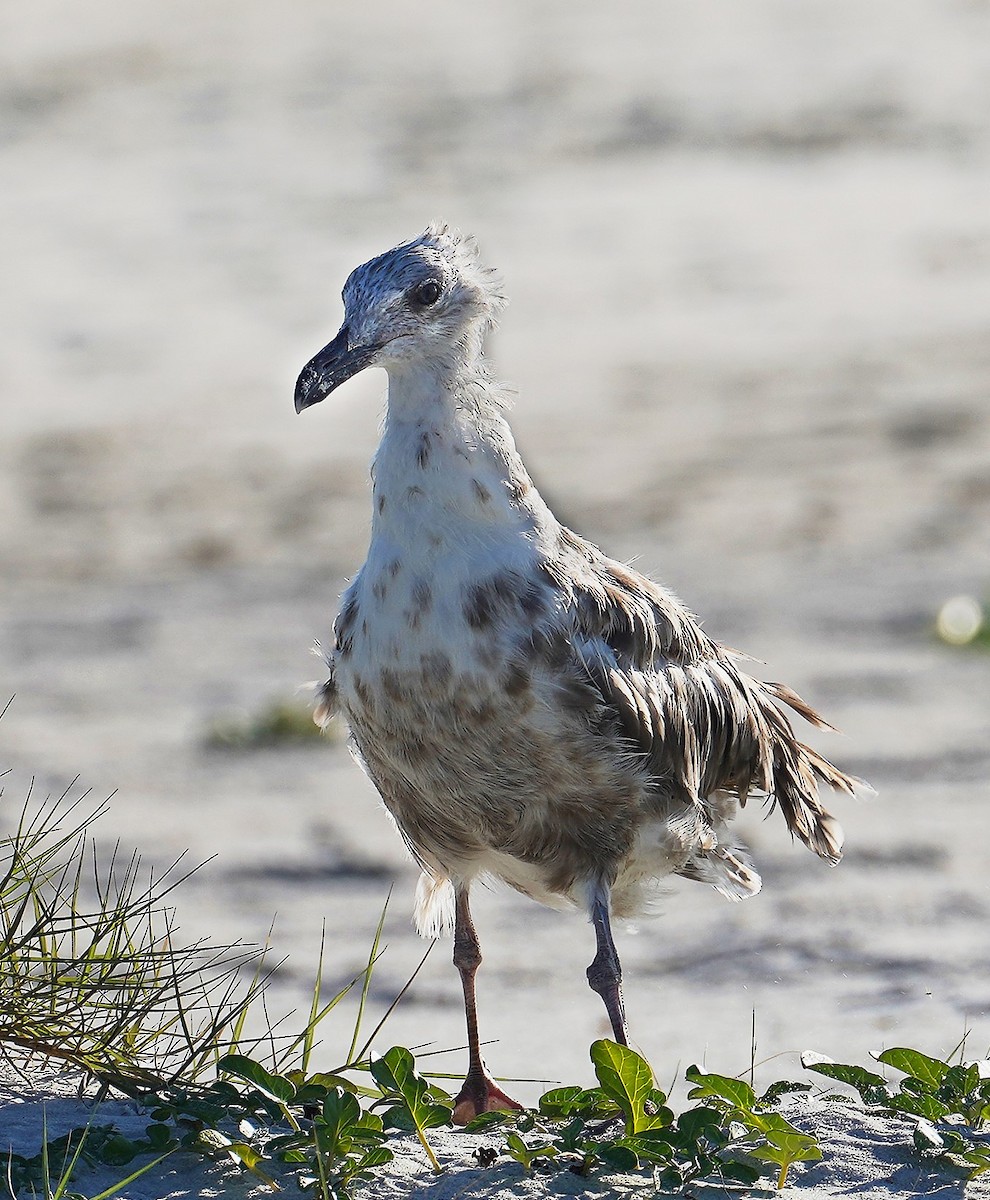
x,y
951,1102
50,1171
625,1124
775,1140
332,1141
410,1102
91,970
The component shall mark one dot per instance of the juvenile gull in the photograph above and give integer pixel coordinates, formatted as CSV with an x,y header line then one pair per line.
x,y
528,708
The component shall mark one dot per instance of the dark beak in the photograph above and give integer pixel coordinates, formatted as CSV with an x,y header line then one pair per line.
x,y
330,368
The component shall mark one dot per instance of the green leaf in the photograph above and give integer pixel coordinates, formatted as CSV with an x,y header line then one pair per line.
x,y
783,1087
368,1127
160,1137
734,1091
626,1078
799,1147
487,1120
525,1155
786,1147
978,1158
333,1127
571,1137
618,1155
276,1087
928,1071
377,1156
872,1088
395,1074
394,1070
700,1122
313,1089
118,1150
926,1137
733,1171
575,1101
559,1101
250,1159
959,1082
774,1125
653,1145
923,1105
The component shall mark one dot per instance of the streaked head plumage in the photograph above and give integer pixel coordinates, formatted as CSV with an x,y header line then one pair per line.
x,y
428,298
439,255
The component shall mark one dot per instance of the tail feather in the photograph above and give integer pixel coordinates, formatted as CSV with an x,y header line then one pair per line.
x,y
797,772
728,869
786,695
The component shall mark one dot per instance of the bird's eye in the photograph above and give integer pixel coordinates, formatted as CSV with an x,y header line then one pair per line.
x,y
426,293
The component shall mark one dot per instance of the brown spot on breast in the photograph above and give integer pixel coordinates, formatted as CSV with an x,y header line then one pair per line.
x,y
435,540
414,492
505,591
394,567
416,751
392,686
479,608
422,596
483,713
423,450
516,680
436,667
482,494
381,503
422,602
486,654
533,600
578,696
379,589
343,627
550,646
363,693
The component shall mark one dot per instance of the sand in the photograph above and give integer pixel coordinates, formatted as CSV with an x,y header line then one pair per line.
x,y
748,255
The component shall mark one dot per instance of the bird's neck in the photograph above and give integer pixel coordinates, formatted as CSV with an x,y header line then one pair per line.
x,y
447,468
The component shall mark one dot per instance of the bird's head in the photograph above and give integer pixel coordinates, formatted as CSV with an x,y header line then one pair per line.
x,y
428,299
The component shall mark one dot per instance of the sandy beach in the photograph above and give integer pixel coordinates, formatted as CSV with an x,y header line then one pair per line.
x,y
747,250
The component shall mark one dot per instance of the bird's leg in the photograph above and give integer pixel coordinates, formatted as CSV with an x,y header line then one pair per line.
x,y
605,973
480,1093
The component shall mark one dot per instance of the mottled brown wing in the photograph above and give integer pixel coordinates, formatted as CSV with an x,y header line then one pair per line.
x,y
702,725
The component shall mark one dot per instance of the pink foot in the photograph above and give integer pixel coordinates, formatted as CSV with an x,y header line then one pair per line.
x,y
481,1094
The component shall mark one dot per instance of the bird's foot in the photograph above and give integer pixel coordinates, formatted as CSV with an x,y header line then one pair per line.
x,y
481,1094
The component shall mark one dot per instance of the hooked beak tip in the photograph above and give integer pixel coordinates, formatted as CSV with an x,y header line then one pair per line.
x,y
306,390
327,370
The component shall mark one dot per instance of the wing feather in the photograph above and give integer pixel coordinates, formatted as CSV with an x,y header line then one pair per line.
x,y
703,726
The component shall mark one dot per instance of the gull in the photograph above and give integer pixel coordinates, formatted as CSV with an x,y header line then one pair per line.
x,y
529,709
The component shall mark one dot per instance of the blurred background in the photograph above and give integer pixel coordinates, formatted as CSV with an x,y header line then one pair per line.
x,y
748,254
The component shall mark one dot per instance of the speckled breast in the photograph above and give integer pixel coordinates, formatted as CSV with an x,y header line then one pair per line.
x,y
476,742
